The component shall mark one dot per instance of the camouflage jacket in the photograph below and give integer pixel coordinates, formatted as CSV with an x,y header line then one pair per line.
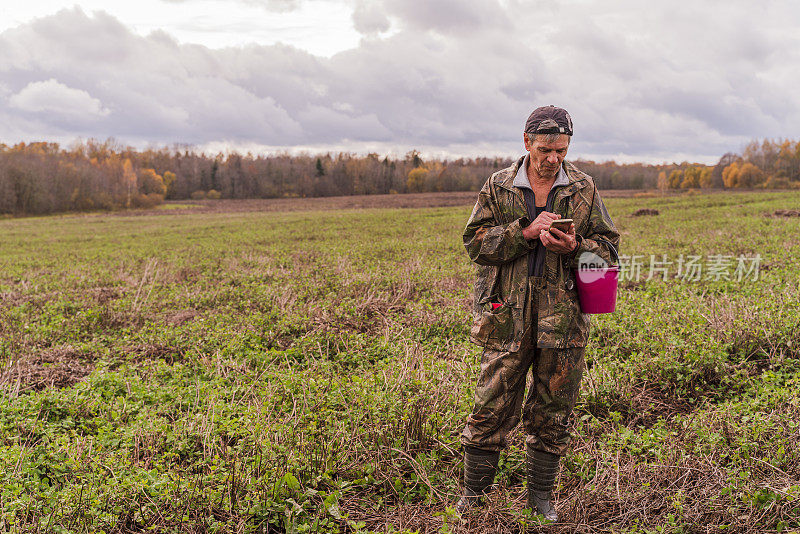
x,y
493,238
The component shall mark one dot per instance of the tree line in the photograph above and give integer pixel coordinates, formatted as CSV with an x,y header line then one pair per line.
x,y
767,164
38,178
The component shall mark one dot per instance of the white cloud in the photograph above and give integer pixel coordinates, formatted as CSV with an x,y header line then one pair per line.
x,y
51,96
280,6
323,27
275,5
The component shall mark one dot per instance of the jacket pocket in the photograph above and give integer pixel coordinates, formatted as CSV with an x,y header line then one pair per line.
x,y
495,328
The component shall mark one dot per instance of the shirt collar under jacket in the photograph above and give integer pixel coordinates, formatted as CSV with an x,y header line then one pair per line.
x,y
521,179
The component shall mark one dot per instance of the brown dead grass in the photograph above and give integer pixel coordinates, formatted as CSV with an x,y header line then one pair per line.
x,y
623,492
374,310
59,368
149,351
15,298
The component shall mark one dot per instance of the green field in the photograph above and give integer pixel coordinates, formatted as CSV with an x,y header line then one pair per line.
x,y
310,372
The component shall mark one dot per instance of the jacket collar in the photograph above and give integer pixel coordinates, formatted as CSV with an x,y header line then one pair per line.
x,y
521,177
575,178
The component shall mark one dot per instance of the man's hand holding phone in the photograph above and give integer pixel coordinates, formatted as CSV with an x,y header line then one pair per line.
x,y
560,236
539,225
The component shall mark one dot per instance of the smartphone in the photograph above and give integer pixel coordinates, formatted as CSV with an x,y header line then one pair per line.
x,y
561,224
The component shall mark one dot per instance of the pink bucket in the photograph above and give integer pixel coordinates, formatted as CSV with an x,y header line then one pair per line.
x,y
597,289
597,286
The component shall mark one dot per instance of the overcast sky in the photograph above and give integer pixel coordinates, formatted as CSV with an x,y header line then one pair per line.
x,y
643,81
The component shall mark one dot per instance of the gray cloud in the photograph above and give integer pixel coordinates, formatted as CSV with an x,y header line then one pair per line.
x,y
445,16
370,17
447,77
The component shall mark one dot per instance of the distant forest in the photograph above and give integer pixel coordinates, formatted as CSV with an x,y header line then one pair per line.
x,y
39,178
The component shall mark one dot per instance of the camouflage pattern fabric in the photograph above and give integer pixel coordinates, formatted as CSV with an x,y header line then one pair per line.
x,y
493,239
547,410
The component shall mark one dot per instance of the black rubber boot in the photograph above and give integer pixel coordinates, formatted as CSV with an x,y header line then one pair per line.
x,y
542,473
480,467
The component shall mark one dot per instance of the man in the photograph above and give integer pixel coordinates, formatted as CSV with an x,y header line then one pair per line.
x,y
526,306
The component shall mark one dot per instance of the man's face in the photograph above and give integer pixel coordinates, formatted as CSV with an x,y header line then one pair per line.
x,y
545,157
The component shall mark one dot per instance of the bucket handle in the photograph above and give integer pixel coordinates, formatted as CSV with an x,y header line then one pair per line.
x,y
611,246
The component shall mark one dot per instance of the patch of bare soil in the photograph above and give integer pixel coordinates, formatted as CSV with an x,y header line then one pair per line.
x,y
786,213
60,368
405,200
408,200
645,212
104,294
181,317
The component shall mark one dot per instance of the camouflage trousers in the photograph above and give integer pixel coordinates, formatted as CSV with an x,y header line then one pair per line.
x,y
499,394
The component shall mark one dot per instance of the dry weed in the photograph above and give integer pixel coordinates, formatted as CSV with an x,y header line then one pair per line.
x,y
61,367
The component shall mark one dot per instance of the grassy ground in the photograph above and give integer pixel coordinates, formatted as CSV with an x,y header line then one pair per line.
x,y
240,371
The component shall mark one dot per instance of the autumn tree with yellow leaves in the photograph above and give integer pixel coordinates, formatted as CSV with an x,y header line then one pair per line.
x,y
765,165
